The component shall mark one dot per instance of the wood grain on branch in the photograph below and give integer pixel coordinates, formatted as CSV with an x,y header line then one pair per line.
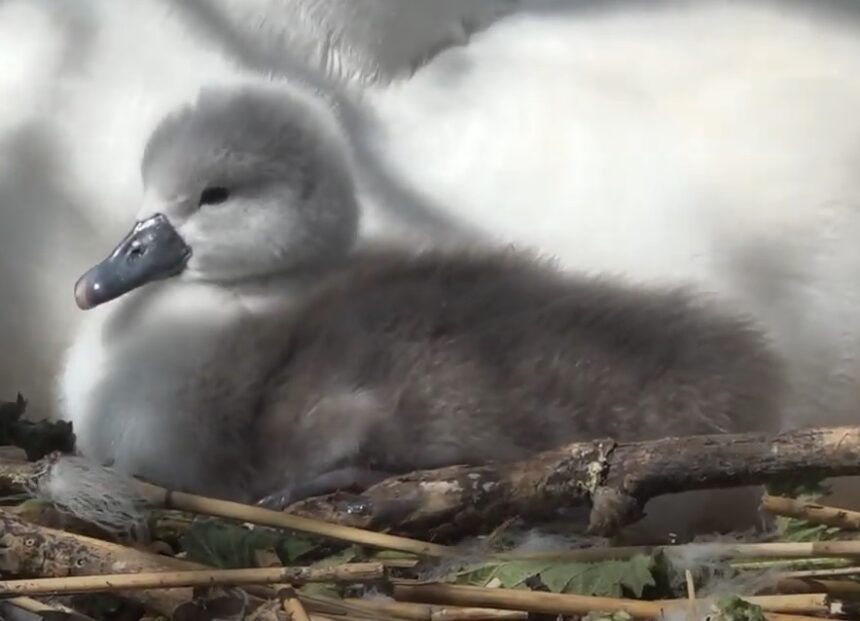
x,y
30,550
615,479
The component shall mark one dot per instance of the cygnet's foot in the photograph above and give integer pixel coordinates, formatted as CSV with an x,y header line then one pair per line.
x,y
350,478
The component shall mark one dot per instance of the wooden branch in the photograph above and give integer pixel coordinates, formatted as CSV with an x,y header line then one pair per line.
x,y
422,612
616,479
292,606
580,605
30,550
811,512
45,610
161,497
836,572
348,572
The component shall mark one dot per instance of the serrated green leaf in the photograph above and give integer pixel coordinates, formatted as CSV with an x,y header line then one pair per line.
x,y
293,546
608,578
595,579
733,608
514,573
793,529
478,575
344,556
557,577
227,546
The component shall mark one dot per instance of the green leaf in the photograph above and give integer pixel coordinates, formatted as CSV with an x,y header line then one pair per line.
x,y
515,573
608,578
294,546
735,609
227,546
344,556
557,577
793,529
392,555
478,575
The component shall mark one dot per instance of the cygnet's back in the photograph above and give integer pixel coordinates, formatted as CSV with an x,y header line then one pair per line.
x,y
473,358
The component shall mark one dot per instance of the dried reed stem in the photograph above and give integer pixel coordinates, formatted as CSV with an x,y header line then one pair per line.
x,y
423,612
570,604
351,572
167,499
811,512
834,572
33,605
293,607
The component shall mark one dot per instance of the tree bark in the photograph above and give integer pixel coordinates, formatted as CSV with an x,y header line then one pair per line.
x,y
615,479
29,550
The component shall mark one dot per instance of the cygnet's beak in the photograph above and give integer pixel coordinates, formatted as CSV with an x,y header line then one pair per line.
x,y
153,250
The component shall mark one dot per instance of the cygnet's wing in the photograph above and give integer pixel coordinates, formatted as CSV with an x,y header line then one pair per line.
x,y
487,358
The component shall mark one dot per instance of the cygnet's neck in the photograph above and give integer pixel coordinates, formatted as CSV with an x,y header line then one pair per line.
x,y
262,292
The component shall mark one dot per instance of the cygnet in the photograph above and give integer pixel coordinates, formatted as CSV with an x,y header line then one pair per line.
x,y
242,344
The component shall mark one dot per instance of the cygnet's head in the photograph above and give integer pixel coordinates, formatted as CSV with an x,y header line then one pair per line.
x,y
243,184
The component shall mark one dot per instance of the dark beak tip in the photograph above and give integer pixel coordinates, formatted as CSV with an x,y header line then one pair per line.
x,y
82,293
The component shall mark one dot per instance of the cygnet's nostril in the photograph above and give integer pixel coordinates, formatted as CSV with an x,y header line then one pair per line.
x,y
136,250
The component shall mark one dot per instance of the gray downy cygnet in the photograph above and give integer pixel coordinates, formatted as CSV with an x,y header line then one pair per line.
x,y
241,344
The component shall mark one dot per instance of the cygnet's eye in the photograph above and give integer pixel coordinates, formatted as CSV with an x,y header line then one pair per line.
x,y
214,196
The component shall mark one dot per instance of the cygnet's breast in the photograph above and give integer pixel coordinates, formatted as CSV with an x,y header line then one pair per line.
x,y
151,378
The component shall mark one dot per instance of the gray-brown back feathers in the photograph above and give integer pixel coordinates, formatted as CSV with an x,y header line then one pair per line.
x,y
443,359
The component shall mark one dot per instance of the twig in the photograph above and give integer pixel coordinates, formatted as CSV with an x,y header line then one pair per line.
x,y
813,513
292,606
569,604
774,550
691,593
791,564
349,572
422,612
811,603
33,605
162,497
515,599
820,573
